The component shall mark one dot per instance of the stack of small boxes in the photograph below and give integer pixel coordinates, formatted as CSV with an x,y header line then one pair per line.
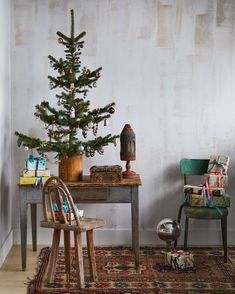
x,y
212,192
35,172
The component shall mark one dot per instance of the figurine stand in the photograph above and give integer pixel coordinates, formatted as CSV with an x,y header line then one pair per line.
x,y
128,173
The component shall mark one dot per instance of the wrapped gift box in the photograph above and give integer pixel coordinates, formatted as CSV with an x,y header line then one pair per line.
x,y
198,190
195,200
216,180
218,164
223,201
179,259
66,210
37,181
70,215
36,173
204,201
106,173
35,163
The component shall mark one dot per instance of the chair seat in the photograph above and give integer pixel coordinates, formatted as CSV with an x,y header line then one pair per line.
x,y
86,224
205,212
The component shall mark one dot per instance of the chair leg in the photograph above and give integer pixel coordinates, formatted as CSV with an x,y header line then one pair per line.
x,y
67,253
179,219
224,236
91,254
186,233
53,256
79,259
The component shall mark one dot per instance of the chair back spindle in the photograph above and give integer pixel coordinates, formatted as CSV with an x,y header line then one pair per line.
x,y
56,194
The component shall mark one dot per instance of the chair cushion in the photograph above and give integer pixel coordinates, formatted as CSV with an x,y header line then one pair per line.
x,y
205,212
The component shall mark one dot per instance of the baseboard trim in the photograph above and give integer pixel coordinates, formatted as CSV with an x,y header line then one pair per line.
x,y
6,247
114,237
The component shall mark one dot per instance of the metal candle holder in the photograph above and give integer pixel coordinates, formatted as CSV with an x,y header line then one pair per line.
x,y
127,153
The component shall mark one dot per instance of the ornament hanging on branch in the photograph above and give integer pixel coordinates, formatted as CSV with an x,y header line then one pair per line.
x,y
72,112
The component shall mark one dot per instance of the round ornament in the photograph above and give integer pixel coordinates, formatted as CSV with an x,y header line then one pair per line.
x,y
60,40
80,149
19,142
101,151
51,85
43,145
84,133
106,122
72,112
66,138
89,125
111,110
168,230
26,148
97,75
61,117
37,114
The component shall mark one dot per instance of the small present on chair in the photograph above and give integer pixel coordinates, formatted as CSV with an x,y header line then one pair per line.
x,y
67,211
179,259
197,190
216,180
218,164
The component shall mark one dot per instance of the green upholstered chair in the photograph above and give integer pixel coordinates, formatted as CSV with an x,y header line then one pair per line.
x,y
198,167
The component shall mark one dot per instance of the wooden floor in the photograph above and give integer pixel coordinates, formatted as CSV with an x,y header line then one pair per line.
x,y
12,279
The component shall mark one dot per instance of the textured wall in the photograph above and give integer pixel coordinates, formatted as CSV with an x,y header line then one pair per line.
x,y
168,65
5,127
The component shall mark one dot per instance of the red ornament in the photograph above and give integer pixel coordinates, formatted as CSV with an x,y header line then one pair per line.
x,y
111,110
98,75
37,114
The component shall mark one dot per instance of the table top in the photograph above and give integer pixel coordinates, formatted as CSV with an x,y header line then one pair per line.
x,y
136,181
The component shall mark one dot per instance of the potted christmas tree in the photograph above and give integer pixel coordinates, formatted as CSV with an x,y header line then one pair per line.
x,y
68,124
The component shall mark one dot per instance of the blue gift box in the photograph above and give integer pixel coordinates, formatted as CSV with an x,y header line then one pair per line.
x,y
35,163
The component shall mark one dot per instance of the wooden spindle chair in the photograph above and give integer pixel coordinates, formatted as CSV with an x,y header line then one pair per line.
x,y
55,191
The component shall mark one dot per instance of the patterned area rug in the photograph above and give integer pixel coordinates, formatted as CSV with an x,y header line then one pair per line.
x,y
116,273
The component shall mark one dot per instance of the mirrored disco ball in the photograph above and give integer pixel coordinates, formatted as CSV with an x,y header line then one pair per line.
x,y
168,230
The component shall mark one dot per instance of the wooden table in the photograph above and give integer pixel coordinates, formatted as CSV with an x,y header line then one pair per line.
x,y
125,191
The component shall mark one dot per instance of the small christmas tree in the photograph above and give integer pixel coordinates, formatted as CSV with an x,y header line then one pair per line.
x,y
68,126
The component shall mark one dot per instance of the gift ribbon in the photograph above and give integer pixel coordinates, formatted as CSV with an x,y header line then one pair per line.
x,y
218,164
38,160
219,177
175,255
65,208
39,182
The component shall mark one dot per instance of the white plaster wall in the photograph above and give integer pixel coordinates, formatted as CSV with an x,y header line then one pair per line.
x,y
6,236
168,65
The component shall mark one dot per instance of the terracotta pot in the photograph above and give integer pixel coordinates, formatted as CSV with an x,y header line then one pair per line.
x,y
70,169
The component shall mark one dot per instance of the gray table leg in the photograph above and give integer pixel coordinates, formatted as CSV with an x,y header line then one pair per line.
x,y
135,225
34,225
23,230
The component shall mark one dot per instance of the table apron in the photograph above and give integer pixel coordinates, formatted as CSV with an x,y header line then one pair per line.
x,y
122,194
